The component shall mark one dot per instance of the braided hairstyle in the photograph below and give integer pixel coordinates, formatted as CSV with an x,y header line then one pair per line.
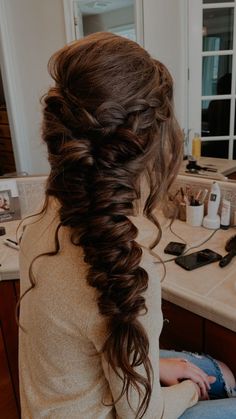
x,y
107,121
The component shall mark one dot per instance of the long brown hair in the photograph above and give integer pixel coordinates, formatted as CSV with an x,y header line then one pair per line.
x,y
107,121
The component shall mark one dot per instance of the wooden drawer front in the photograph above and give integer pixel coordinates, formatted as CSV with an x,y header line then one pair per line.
x,y
220,343
8,302
5,144
5,131
8,407
182,330
7,158
3,117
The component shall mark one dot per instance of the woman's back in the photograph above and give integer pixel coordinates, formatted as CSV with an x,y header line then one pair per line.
x,y
60,369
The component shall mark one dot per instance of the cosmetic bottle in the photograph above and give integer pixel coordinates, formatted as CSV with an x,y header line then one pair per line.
x,y
225,214
212,219
196,146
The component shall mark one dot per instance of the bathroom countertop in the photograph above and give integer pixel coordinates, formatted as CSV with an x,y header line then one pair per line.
x,y
224,167
209,291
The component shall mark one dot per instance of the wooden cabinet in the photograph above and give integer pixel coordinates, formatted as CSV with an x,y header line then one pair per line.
x,y
9,385
8,406
7,160
184,330
220,343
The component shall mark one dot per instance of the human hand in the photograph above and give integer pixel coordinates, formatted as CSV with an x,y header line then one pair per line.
x,y
175,370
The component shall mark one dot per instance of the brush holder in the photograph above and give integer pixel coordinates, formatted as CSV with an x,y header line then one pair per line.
x,y
194,215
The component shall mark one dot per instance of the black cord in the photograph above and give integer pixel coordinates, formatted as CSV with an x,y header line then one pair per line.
x,y
184,241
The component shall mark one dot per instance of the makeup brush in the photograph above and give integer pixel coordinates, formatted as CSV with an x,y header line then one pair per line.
x,y
230,247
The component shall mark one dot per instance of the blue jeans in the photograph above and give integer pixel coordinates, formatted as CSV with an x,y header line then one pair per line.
x,y
225,406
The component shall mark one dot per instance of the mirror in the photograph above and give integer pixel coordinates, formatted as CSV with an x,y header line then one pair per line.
x,y
40,28
117,16
211,84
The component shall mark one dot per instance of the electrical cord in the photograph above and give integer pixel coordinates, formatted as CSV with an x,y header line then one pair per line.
x,y
184,241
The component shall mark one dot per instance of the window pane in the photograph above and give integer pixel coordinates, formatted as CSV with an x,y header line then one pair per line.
x,y
215,149
234,151
235,119
217,1
215,117
218,29
216,75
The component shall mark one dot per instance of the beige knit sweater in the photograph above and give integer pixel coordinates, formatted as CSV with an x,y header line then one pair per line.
x,y
62,372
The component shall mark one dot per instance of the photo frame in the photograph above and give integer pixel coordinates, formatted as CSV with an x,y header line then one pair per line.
x,y
9,201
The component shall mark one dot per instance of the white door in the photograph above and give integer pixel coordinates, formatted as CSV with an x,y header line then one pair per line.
x,y
78,20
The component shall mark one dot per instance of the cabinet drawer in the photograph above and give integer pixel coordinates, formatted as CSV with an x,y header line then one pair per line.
x,y
3,116
182,330
5,131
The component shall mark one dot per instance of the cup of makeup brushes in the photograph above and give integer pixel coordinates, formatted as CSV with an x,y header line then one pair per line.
x,y
194,215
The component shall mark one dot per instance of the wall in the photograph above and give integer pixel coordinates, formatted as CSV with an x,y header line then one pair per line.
x,y
164,38
35,29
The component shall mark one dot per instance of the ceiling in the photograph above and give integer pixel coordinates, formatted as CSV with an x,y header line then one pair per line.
x,y
92,7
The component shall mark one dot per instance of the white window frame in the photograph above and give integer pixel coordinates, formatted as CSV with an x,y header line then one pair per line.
x,y
195,54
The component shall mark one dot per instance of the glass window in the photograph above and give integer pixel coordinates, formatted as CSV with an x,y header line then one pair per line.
x,y
218,29
234,150
216,75
235,119
217,1
212,80
215,117
215,149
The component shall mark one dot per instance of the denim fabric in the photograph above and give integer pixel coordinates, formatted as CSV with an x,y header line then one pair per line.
x,y
223,408
218,390
212,409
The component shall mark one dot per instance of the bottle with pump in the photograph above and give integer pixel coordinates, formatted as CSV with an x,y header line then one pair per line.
x,y
212,219
196,146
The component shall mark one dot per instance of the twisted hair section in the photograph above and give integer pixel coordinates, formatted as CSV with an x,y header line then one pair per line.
x,y
107,121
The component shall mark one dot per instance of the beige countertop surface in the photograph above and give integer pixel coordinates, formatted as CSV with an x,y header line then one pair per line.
x,y
224,167
209,291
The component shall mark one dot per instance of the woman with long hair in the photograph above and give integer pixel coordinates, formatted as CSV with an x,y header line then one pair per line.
x,y
90,312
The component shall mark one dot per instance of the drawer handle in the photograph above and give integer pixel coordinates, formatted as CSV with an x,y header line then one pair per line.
x,y
166,321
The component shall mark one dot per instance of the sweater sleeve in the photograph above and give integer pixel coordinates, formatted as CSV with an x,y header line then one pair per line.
x,y
165,403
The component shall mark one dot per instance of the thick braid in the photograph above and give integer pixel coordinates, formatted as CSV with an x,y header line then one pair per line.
x,y
99,145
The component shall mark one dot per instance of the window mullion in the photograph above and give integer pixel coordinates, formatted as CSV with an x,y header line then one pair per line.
x,y
233,89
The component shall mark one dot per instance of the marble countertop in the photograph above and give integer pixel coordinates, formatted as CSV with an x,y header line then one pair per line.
x,y
209,291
